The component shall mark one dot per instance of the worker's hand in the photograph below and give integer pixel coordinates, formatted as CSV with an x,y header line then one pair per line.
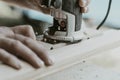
x,y
20,42
84,5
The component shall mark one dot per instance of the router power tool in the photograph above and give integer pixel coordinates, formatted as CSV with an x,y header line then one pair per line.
x,y
67,18
67,21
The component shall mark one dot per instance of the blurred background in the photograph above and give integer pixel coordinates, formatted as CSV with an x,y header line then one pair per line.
x,y
98,9
11,16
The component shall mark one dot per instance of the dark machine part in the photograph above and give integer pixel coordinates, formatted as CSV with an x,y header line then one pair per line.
x,y
62,24
55,3
47,3
70,6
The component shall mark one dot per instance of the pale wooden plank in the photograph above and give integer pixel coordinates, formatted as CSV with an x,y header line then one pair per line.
x,y
66,56
84,71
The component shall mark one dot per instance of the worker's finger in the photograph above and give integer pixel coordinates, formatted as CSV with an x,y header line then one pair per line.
x,y
84,9
36,47
6,31
20,50
25,30
9,59
84,3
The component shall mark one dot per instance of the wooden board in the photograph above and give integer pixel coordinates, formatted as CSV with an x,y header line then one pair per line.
x,y
65,57
83,71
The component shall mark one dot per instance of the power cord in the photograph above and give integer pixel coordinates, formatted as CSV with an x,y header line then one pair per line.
x,y
108,11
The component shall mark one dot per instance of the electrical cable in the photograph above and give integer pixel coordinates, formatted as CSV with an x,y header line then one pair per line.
x,y
106,16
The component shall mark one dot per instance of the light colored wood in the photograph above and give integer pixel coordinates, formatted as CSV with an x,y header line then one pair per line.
x,y
65,57
103,66
108,60
83,71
